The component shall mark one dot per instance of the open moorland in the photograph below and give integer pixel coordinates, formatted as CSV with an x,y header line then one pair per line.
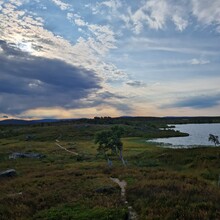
x,y
69,180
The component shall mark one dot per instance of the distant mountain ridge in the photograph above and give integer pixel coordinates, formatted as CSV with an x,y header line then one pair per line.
x,y
26,122
122,120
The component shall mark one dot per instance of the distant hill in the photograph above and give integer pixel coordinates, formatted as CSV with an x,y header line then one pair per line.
x,y
118,120
26,122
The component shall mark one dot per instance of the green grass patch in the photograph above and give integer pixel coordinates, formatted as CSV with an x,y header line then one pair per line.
x,y
79,212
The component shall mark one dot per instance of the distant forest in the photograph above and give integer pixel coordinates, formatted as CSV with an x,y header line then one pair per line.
x,y
125,120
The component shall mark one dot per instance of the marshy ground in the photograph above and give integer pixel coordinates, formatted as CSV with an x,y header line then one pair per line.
x,y
161,183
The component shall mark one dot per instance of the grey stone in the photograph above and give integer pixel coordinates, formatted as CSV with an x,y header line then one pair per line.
x,y
26,155
8,173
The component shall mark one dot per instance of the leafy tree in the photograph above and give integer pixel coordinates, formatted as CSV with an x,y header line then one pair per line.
x,y
214,139
103,139
110,141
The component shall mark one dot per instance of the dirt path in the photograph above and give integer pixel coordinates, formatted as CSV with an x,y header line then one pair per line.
x,y
122,184
72,152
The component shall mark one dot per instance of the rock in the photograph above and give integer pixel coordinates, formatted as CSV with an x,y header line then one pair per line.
x,y
8,173
106,190
29,137
26,155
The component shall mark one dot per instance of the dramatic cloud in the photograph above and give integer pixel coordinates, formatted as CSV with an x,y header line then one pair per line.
x,y
106,99
26,30
155,14
116,57
28,81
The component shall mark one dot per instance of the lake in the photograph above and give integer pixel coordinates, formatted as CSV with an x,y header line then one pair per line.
x,y
198,135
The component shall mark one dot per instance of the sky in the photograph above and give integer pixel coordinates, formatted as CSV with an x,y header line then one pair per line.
x,y
87,58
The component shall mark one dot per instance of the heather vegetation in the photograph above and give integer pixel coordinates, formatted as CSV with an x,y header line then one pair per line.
x,y
161,183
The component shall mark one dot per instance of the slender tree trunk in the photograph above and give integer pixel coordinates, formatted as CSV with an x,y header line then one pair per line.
x,y
121,158
108,160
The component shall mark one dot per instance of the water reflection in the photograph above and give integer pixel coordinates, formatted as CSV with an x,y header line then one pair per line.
x,y
198,136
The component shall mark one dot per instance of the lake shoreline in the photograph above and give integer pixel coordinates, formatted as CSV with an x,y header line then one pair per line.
x,y
198,136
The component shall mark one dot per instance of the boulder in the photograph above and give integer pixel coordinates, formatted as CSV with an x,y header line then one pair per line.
x,y
8,173
26,155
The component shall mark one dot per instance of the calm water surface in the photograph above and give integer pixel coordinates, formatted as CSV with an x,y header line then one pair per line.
x,y
198,135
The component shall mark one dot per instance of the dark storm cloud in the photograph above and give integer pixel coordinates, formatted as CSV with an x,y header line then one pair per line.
x,y
107,98
29,82
110,95
197,102
114,100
